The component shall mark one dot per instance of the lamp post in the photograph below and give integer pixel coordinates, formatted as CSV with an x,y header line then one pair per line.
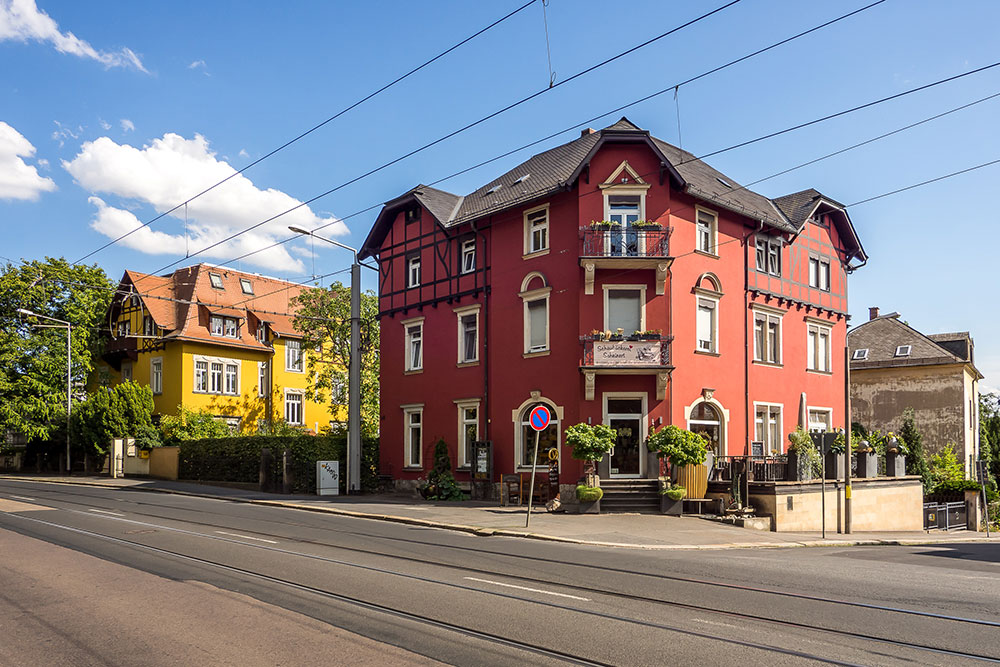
x,y
69,370
354,369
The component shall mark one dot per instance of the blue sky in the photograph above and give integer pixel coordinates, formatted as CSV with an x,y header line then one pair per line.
x,y
112,112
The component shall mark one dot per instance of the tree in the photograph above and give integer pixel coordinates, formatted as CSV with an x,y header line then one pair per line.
x,y
33,359
945,467
916,458
590,443
989,431
122,411
677,445
324,319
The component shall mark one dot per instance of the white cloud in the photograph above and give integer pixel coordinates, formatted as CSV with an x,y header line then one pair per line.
x,y
105,125
243,153
172,169
196,64
62,132
21,20
19,180
127,125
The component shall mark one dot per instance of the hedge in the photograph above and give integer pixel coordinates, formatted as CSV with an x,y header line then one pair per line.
x,y
237,459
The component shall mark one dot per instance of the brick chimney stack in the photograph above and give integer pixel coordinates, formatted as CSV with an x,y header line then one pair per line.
x,y
872,313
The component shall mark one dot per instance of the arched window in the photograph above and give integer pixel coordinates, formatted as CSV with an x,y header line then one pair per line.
x,y
547,439
706,421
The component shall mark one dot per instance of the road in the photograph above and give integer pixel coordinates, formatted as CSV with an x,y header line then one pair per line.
x,y
109,576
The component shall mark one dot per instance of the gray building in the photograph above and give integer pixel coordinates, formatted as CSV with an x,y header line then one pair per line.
x,y
894,367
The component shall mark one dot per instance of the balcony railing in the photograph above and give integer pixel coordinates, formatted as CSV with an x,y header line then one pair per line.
x,y
627,242
626,352
759,468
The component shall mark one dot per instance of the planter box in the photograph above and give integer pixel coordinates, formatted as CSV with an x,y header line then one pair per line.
x,y
895,465
867,464
834,465
671,507
799,469
593,507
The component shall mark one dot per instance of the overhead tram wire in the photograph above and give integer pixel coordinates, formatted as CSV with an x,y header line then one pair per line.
x,y
536,142
460,130
316,127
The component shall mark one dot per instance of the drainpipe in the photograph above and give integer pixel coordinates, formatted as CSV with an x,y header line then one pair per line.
x,y
486,335
746,341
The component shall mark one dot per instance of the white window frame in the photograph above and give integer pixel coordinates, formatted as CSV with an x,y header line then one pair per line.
x,y
903,350
156,375
216,325
463,422
290,365
408,448
234,332
814,332
642,306
860,354
770,448
468,256
408,365
702,300
246,286
201,387
213,277
302,406
460,314
532,223
232,364
214,388
819,273
810,409
772,251
769,315
413,271
262,378
519,416
528,349
707,230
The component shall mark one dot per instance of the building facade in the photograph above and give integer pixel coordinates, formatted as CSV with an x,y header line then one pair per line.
x,y
615,279
211,338
894,367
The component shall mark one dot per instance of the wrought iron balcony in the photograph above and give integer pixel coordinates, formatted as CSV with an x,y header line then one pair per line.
x,y
638,353
610,242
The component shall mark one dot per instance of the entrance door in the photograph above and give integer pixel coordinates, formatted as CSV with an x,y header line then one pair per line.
x,y
625,416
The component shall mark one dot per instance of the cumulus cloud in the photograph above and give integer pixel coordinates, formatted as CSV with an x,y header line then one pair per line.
x,y
172,169
127,125
22,20
18,179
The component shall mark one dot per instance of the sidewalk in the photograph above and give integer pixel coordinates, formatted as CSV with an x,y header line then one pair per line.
x,y
637,531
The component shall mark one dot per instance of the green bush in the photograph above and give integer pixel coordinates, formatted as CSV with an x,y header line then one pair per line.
x,y
590,443
678,446
957,486
945,467
441,484
675,493
916,461
589,494
802,445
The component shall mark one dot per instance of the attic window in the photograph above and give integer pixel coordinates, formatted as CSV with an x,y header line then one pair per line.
x,y
903,351
246,286
494,189
216,280
412,214
723,182
860,355
522,179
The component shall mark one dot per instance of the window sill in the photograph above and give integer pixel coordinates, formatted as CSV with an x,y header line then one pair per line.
x,y
537,253
416,468
705,253
413,286
467,364
707,353
816,371
540,353
292,370
416,371
759,362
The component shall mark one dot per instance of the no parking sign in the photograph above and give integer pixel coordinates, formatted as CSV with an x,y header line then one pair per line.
x,y
539,420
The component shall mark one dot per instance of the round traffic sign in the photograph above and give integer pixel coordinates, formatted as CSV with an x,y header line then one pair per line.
x,y
539,418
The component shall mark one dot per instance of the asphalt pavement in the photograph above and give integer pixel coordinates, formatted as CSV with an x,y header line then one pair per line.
x,y
465,598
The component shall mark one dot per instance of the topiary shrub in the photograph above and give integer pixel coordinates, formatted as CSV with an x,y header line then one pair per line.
x,y
678,446
589,494
440,483
589,443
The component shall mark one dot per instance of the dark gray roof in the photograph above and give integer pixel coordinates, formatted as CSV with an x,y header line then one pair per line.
x,y
958,343
441,204
798,206
882,335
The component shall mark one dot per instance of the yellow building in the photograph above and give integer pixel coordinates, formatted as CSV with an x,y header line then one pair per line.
x,y
211,338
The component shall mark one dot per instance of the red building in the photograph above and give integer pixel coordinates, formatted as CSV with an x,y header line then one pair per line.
x,y
732,308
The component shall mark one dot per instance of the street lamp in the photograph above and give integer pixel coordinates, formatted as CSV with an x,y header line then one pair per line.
x,y
69,370
354,370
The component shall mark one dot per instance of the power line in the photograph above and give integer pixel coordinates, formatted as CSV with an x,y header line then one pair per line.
x,y
315,127
460,130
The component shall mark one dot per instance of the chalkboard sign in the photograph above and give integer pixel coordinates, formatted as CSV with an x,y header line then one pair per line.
x,y
756,448
482,460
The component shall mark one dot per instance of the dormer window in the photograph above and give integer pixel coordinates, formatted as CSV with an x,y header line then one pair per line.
x,y
246,286
216,280
903,351
231,328
216,325
860,355
224,326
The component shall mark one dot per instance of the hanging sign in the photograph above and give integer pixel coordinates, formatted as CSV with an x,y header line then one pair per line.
x,y
627,353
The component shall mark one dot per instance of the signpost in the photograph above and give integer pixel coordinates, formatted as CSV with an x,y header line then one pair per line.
x,y
539,420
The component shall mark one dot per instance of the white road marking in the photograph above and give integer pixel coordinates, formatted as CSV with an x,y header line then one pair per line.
x,y
245,537
91,509
21,497
524,588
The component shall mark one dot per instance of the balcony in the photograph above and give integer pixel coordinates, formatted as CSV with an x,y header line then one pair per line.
x,y
615,247
632,355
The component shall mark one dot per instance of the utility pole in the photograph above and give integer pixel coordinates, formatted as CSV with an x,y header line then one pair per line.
x,y
847,438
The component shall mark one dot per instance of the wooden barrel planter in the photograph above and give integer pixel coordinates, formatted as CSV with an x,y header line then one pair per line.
x,y
694,478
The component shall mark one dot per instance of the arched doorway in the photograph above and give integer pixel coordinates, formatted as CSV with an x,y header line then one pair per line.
x,y
706,421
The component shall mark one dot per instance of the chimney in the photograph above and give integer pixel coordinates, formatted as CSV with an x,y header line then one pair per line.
x,y
589,130
872,313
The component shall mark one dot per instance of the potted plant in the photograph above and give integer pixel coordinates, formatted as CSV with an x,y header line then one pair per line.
x,y
604,224
589,499
649,334
835,458
895,455
671,497
803,457
677,446
867,458
646,224
590,444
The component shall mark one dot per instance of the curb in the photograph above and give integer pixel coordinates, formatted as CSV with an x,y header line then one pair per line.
x,y
481,531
